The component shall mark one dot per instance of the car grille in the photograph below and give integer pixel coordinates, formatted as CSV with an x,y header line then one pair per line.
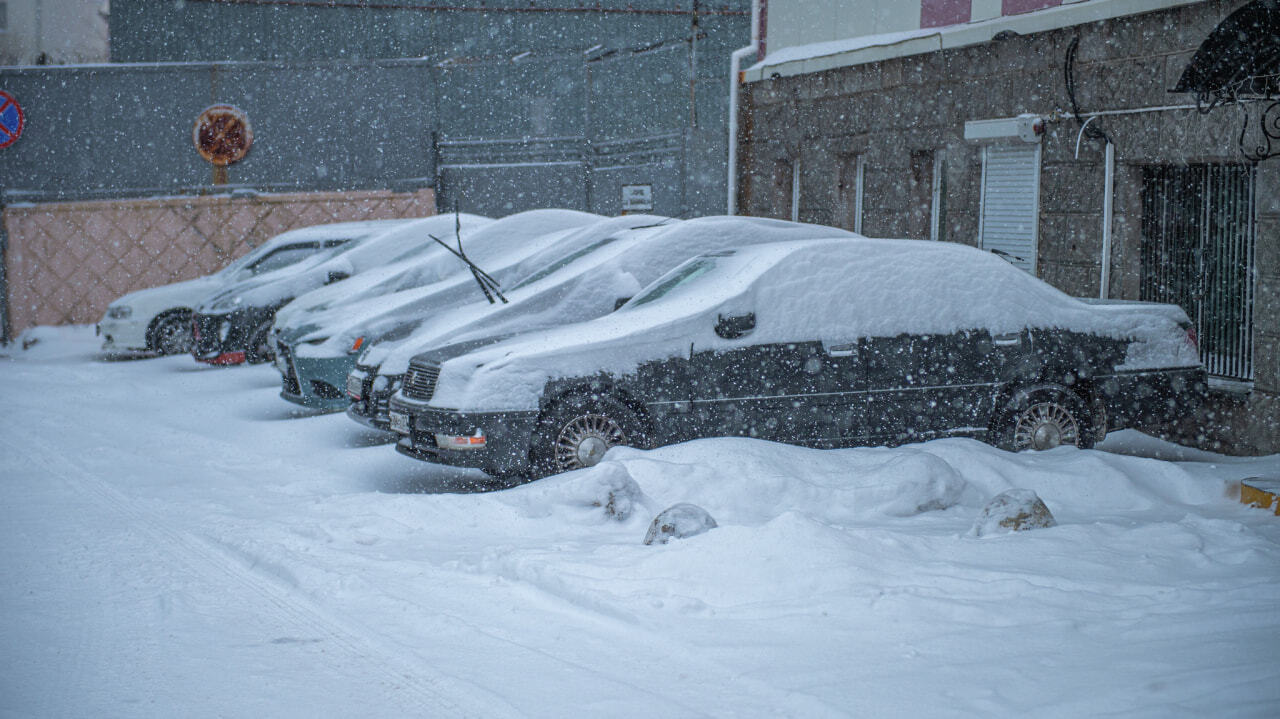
x,y
420,382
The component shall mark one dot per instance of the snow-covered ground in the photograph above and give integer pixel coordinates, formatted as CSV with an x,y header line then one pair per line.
x,y
179,541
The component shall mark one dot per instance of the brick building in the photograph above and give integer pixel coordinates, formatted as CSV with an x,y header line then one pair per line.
x,y
1114,148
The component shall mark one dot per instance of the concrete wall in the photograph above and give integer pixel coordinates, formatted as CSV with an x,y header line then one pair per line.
x,y
67,260
896,111
214,30
54,32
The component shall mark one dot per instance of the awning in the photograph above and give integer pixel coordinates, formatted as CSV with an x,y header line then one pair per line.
x,y
1240,57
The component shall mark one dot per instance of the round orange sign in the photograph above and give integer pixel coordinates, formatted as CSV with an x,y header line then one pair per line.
x,y
222,134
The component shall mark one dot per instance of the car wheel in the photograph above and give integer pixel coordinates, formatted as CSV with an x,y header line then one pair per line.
x,y
260,349
1046,418
172,335
577,433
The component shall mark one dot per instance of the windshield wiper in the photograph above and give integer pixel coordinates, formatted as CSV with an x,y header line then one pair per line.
x,y
1006,255
488,285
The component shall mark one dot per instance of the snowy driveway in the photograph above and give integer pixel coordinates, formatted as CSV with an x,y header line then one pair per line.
x,y
179,541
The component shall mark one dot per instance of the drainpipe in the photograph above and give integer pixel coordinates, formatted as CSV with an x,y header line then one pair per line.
x,y
735,65
1108,189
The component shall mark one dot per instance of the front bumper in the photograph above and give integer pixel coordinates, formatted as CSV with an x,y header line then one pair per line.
x,y
318,382
508,437
224,338
369,406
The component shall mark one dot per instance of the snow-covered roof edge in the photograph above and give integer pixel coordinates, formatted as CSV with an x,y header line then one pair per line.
x,y
819,56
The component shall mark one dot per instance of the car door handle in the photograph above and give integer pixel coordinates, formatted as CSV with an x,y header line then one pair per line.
x,y
842,350
1009,339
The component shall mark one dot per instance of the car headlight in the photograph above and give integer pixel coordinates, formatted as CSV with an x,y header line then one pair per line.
x,y
229,303
119,312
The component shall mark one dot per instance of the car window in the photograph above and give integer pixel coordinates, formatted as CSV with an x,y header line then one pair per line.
x,y
562,262
283,257
682,275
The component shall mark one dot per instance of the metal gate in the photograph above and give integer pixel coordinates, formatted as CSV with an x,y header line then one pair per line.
x,y
1198,238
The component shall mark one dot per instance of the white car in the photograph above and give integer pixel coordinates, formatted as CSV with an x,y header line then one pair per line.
x,y
158,319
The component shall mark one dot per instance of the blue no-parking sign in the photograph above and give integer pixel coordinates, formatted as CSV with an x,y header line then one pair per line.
x,y
10,119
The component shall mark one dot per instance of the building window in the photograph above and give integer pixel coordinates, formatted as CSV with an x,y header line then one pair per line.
x,y
1009,210
1198,237
4,16
938,13
851,187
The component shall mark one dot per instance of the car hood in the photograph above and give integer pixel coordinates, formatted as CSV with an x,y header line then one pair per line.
x,y
187,293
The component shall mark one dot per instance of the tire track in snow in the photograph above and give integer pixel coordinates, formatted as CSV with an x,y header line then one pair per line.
x,y
421,690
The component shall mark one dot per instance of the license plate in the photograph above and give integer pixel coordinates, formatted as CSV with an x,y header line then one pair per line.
x,y
354,385
399,422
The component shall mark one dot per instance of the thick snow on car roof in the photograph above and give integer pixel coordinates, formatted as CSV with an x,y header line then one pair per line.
x,y
440,278
577,291
425,263
830,290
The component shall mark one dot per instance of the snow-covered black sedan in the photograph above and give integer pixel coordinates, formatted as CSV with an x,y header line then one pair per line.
x,y
824,343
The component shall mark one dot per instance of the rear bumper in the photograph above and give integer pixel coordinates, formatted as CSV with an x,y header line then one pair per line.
x,y
1154,397
508,437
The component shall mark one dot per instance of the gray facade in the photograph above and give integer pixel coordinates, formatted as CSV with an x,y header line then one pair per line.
x,y
500,122
889,137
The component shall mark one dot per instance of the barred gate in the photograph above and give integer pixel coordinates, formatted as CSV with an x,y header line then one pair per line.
x,y
1198,236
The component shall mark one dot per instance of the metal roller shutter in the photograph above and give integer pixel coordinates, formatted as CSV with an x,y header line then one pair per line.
x,y
1009,221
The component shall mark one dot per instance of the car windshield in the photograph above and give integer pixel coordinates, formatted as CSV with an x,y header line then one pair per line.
x,y
678,277
562,262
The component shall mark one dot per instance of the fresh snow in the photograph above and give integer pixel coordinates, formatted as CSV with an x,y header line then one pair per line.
x,y
179,541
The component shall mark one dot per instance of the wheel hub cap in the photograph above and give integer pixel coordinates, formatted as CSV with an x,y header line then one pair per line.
x,y
1044,426
591,450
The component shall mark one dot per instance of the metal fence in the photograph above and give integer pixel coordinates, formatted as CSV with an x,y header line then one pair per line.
x,y
1198,237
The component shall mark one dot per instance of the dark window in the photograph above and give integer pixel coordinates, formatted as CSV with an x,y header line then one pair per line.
x,y
283,257
1198,252
4,16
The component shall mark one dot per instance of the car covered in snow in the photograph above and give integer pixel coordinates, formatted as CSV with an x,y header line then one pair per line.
x,y
158,319
317,337
607,264
233,325
824,343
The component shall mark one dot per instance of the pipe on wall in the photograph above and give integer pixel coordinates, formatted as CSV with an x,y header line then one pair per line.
x,y
735,81
1108,190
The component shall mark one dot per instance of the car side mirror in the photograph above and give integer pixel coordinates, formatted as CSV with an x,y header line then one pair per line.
x,y
336,277
735,326
618,303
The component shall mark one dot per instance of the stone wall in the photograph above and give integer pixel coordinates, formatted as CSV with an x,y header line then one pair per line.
x,y
65,261
900,113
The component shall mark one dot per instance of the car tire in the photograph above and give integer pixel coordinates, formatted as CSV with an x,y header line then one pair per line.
x,y
260,349
1045,417
171,334
578,431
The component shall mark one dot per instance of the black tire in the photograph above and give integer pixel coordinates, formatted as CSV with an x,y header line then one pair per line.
x,y
171,334
577,432
1045,417
259,349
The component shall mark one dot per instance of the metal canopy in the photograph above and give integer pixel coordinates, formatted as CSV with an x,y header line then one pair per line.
x,y
1240,57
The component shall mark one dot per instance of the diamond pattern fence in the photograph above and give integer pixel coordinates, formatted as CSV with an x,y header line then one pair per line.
x,y
66,261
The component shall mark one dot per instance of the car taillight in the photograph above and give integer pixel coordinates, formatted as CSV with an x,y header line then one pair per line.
x,y
1193,338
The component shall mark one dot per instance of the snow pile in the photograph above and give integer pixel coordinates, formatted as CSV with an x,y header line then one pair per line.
x,y
245,555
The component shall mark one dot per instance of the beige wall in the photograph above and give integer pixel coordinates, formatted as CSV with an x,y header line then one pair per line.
x,y
66,31
67,260
800,22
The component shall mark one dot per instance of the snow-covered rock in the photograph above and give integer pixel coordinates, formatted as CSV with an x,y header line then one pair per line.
x,y
679,521
1013,511
619,494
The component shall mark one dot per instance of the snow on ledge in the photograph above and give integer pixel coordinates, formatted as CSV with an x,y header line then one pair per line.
x,y
819,56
